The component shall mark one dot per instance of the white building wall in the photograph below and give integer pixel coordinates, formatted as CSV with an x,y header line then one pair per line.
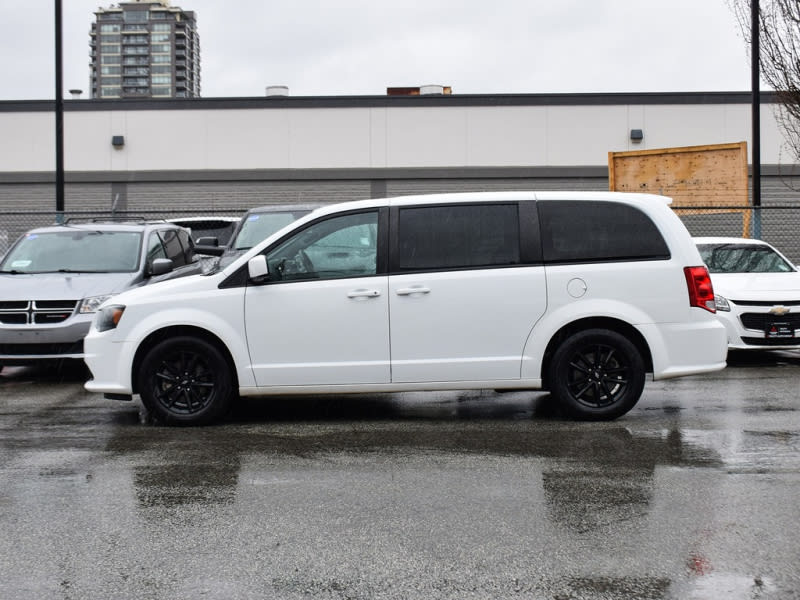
x,y
669,126
27,141
370,137
506,136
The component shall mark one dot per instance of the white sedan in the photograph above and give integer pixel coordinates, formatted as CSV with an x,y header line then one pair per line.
x,y
757,292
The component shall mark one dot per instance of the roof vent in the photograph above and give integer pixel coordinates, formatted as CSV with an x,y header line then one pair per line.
x,y
277,90
431,90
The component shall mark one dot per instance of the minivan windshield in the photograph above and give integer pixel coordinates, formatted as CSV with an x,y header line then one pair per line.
x,y
75,251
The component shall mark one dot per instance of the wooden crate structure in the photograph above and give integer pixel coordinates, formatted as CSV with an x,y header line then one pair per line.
x,y
714,177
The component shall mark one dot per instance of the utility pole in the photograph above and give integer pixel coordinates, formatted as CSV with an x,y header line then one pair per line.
x,y
59,120
755,51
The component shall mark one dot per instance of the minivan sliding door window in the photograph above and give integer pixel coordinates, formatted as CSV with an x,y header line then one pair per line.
x,y
457,237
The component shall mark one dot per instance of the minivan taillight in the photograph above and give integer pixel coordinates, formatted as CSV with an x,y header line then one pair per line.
x,y
701,292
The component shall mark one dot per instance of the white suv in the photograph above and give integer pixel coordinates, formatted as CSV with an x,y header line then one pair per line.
x,y
578,293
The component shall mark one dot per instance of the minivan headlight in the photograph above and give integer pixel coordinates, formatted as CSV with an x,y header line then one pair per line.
x,y
108,317
722,303
90,305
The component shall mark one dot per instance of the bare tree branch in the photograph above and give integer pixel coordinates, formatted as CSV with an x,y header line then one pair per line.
x,y
779,64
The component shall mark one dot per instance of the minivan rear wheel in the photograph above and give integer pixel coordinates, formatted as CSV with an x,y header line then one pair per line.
x,y
597,374
185,380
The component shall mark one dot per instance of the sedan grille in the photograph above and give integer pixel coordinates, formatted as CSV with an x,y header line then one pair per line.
x,y
763,320
36,312
752,341
765,302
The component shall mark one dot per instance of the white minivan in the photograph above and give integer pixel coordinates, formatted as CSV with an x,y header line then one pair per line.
x,y
578,293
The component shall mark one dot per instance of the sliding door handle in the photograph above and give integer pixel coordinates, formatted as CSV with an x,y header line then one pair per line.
x,y
414,289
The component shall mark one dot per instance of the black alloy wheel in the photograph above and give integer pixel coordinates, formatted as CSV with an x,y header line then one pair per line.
x,y
597,374
186,380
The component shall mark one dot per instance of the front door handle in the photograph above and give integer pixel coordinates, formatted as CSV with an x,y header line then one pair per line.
x,y
414,289
364,294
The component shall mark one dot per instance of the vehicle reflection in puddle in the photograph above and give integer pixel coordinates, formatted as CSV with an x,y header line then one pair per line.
x,y
691,496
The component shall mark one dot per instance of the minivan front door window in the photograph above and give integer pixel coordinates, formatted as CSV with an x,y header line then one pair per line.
x,y
335,248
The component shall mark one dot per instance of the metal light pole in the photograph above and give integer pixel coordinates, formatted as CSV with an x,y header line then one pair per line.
x,y
755,47
59,120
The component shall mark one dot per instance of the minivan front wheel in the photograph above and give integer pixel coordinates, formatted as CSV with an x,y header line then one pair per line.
x,y
597,374
185,380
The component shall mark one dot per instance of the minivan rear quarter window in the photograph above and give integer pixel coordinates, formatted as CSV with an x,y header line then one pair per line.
x,y
574,231
457,236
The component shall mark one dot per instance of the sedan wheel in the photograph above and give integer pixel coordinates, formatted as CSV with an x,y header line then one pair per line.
x,y
186,380
597,374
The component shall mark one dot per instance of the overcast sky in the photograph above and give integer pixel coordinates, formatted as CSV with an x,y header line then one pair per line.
x,y
361,47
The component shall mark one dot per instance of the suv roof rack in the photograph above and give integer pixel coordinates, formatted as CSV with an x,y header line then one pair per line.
x,y
112,220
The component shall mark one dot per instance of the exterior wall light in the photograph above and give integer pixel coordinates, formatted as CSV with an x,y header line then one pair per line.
x,y
637,135
118,141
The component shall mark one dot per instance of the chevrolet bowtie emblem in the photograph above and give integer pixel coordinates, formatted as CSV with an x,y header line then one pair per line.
x,y
779,310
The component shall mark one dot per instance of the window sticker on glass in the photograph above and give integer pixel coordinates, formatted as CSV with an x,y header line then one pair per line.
x,y
32,236
253,218
20,264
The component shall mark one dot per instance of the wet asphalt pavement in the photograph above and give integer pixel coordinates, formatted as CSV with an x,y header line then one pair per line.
x,y
692,495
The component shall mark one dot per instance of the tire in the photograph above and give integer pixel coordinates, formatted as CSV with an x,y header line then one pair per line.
x,y
185,381
597,375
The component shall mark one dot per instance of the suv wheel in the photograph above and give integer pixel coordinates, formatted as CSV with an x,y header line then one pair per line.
x,y
186,380
597,374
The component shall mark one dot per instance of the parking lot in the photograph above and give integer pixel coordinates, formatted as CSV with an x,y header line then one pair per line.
x,y
693,494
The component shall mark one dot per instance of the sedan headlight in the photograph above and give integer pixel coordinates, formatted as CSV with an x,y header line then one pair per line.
x,y
722,303
108,317
90,305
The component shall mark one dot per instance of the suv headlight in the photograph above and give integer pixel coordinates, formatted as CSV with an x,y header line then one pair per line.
x,y
722,303
90,305
108,317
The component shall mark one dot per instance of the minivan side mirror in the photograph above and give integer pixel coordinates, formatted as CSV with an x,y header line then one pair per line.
x,y
159,266
257,268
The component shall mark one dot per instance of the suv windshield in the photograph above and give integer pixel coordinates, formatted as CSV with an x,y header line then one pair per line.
x,y
259,226
742,258
75,250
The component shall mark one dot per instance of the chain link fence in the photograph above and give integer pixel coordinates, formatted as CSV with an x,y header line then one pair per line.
x,y
777,224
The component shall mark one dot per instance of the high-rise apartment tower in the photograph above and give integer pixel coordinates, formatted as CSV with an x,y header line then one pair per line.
x,y
145,49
